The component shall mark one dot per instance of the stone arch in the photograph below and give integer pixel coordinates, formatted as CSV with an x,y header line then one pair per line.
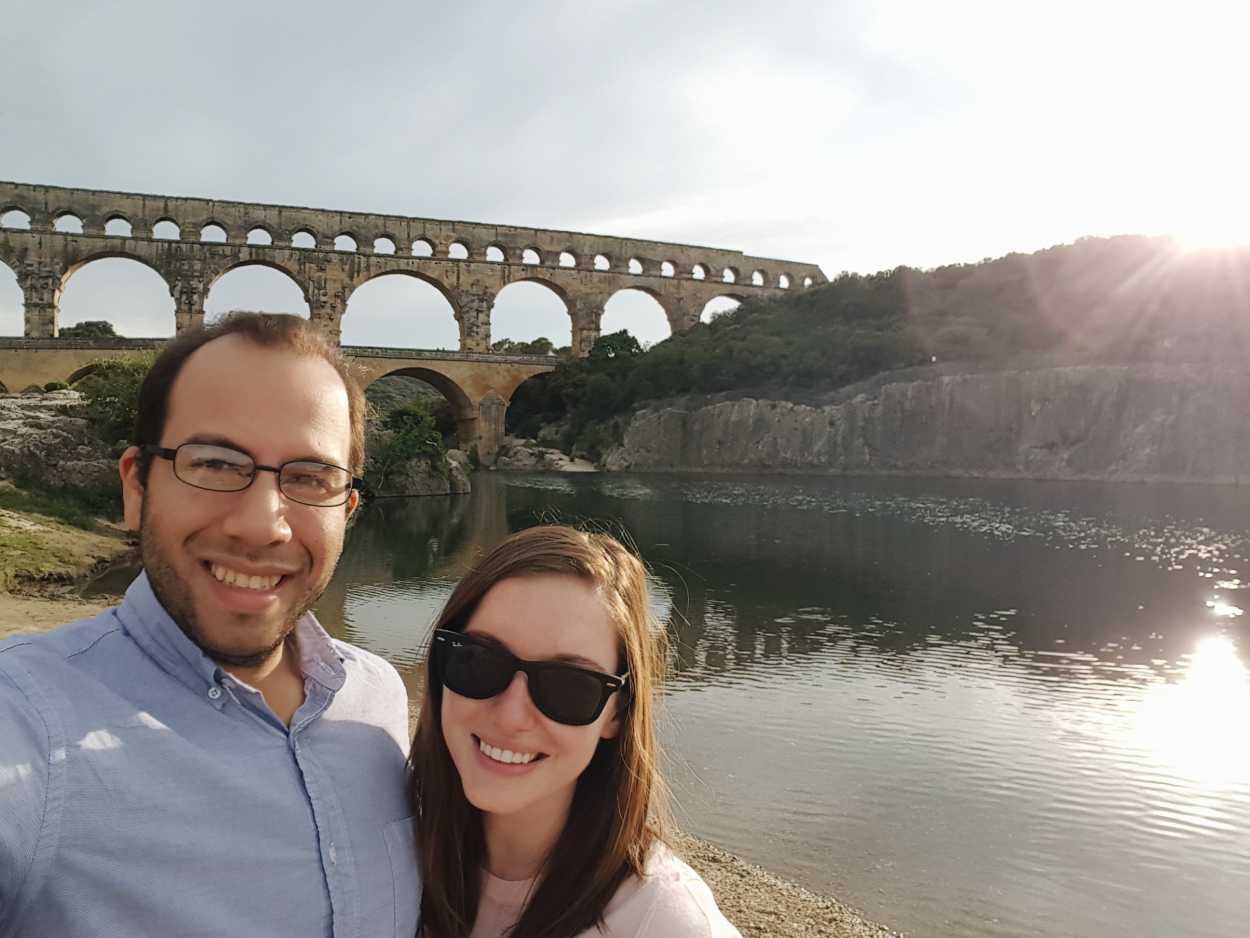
x,y
346,242
305,239
464,409
67,222
531,256
8,219
12,303
563,333
385,244
422,247
80,373
496,253
121,225
667,269
459,250
699,272
602,262
163,233
260,234
208,237
399,311
141,313
625,309
758,278
729,275
634,266
718,305
783,281
247,302
567,258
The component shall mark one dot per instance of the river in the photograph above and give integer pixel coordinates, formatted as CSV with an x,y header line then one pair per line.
x,y
969,708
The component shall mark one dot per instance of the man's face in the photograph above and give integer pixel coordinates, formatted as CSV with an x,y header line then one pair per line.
x,y
201,549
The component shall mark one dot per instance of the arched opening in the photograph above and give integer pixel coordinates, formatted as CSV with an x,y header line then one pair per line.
x,y
132,297
459,251
304,239
637,312
422,248
12,304
259,236
383,245
783,281
255,286
400,310
69,223
635,265
420,388
667,269
698,272
166,230
729,276
568,259
345,242
525,414
494,255
602,262
530,256
118,227
757,278
717,306
526,313
15,218
807,281
213,233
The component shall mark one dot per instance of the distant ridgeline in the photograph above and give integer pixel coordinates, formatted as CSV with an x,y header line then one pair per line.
x,y
1099,301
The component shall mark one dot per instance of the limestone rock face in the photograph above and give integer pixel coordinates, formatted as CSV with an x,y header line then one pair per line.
x,y
39,441
1130,423
527,456
423,477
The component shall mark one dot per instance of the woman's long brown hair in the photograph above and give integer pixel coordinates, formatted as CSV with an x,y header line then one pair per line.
x,y
619,806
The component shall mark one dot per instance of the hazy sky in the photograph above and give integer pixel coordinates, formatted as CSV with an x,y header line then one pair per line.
x,y
858,135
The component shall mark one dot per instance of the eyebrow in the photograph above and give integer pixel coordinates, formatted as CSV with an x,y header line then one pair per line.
x,y
215,439
576,660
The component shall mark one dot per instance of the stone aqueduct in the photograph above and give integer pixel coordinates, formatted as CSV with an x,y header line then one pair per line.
x,y
328,254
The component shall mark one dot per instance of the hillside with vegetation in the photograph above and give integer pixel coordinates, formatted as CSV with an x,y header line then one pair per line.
x,y
1099,301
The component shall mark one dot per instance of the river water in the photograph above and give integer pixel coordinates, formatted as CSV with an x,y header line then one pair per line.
x,y
969,708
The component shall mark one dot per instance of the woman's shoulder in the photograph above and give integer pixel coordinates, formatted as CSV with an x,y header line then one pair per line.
x,y
669,899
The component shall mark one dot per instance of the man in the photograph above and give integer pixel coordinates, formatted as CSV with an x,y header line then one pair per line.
x,y
204,759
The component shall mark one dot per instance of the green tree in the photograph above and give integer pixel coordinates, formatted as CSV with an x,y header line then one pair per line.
x,y
94,329
110,396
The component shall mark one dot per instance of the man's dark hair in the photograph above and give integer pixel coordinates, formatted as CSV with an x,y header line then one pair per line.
x,y
292,334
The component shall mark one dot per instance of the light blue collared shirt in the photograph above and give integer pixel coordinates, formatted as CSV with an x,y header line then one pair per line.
x,y
146,792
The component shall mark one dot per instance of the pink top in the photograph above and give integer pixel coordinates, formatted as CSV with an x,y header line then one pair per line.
x,y
670,900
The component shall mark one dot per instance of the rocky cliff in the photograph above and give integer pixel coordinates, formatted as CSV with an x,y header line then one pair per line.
x,y
41,440
1130,423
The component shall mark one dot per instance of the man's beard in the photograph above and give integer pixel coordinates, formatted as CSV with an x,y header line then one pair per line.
x,y
174,595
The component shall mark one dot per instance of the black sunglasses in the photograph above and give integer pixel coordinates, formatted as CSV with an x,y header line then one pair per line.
x,y
562,692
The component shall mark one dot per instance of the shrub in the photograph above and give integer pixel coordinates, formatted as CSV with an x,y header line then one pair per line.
x,y
111,396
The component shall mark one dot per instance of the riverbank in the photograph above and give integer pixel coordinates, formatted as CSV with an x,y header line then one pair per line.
x,y
44,564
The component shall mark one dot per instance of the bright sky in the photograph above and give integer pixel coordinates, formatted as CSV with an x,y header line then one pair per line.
x,y
859,135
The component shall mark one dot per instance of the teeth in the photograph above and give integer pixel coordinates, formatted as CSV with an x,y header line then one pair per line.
x,y
242,580
506,756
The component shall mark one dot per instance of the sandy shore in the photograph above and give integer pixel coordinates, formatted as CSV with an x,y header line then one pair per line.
x,y
760,904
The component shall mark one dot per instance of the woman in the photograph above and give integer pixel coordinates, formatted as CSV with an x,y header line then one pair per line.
x,y
539,803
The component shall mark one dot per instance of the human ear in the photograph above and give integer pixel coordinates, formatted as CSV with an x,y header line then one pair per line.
x,y
612,725
132,487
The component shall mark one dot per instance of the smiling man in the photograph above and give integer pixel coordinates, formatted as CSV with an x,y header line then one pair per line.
x,y
204,759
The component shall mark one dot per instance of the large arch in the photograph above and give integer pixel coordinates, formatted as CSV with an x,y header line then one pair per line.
x,y
255,285
401,309
719,305
529,309
120,289
461,406
638,311
12,303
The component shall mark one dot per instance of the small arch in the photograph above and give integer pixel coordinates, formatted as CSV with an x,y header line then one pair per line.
x,y
383,245
255,284
758,279
461,407
345,242
730,275
166,229
260,235
304,239
530,256
118,226
698,272
422,248
807,282
718,306
667,269
458,251
495,254
635,265
568,259
15,218
783,281
68,223
214,233
602,262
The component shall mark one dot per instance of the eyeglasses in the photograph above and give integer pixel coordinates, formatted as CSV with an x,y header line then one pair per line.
x,y
222,469
562,692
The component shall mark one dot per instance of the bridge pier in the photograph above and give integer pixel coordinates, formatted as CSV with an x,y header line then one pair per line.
x,y
41,288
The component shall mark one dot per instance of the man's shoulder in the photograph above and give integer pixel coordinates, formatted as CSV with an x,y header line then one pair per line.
x,y
39,651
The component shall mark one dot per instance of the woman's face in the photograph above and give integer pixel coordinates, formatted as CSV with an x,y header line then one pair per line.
x,y
538,617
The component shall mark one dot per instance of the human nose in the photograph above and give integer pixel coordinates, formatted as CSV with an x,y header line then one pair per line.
x,y
258,515
514,708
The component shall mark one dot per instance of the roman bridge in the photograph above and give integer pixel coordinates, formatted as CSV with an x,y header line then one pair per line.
x,y
49,232
478,386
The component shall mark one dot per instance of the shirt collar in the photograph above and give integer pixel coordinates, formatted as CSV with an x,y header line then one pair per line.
x,y
154,631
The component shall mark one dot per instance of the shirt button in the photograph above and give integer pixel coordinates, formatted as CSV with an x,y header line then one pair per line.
x,y
334,857
214,693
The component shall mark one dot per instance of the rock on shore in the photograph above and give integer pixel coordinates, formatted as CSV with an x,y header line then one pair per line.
x,y
39,440
527,455
1183,423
